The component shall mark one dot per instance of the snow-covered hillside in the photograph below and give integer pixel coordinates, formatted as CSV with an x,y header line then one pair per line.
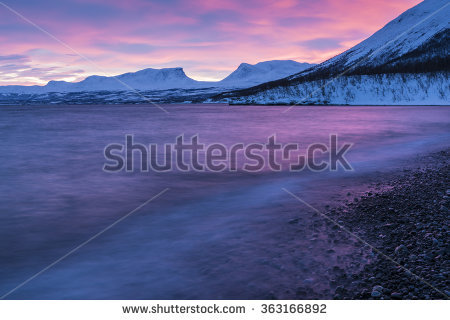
x,y
404,34
407,53
169,78
251,75
380,89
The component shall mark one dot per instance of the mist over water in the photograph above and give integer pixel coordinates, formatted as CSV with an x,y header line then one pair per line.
x,y
212,235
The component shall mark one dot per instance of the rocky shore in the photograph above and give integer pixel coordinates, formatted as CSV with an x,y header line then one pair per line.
x,y
405,219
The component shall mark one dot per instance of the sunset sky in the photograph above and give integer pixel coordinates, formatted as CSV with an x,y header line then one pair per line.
x,y
208,38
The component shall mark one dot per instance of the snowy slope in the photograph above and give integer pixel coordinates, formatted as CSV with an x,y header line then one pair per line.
x,y
407,32
416,43
169,78
380,89
250,75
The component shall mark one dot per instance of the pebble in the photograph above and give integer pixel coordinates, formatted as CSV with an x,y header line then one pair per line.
x,y
401,249
377,288
376,294
396,295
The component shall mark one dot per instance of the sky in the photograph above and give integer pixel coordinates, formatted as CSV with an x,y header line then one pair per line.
x,y
72,39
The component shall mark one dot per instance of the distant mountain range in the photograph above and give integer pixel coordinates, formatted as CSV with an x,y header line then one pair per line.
x,y
406,62
246,75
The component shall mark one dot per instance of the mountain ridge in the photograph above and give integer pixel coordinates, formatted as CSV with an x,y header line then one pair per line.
x,y
168,78
417,41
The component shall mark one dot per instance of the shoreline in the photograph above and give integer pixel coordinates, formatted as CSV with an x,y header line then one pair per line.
x,y
405,218
209,104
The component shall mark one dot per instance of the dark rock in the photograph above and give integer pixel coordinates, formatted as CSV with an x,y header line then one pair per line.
x,y
376,294
401,249
377,288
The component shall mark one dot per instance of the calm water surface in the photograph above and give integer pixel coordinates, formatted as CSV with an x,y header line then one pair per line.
x,y
212,235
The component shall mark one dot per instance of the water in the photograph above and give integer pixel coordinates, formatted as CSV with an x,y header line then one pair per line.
x,y
211,235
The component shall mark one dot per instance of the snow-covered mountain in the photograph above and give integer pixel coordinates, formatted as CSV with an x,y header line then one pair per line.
x,y
250,75
141,80
147,79
169,78
416,42
416,27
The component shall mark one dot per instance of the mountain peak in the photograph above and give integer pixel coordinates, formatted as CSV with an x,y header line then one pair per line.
x,y
253,74
403,34
244,65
